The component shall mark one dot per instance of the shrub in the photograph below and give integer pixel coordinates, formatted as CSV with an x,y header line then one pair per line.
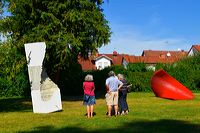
x,y
186,71
13,72
136,67
141,81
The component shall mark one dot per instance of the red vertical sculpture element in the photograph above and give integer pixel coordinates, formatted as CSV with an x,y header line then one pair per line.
x,y
165,86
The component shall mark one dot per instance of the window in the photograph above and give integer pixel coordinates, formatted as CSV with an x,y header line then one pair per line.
x,y
106,64
99,65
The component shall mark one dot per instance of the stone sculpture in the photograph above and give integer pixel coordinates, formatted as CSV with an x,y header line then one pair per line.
x,y
45,93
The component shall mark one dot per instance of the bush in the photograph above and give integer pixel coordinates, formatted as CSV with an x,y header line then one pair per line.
x,y
13,72
136,67
186,71
70,82
141,81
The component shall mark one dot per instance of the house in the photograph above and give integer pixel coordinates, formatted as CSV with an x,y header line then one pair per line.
x,y
194,50
149,57
153,57
164,54
100,61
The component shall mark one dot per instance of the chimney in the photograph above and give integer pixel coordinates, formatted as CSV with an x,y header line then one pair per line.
x,y
96,54
162,56
114,53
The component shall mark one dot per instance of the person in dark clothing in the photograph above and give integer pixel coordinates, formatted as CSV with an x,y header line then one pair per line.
x,y
122,102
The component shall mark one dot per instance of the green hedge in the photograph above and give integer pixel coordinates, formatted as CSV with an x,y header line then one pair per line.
x,y
139,80
186,71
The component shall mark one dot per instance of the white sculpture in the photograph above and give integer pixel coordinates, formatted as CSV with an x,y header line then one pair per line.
x,y
45,93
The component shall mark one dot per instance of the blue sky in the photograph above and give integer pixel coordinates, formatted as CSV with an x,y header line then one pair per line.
x,y
139,25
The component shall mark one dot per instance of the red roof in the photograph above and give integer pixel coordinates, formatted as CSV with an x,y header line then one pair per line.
x,y
133,59
154,60
153,57
164,54
102,56
89,64
197,47
116,59
86,64
148,57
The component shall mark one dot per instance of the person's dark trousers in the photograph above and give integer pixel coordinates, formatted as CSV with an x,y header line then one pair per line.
x,y
123,106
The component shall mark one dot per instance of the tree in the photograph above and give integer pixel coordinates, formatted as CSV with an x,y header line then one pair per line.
x,y
69,28
1,8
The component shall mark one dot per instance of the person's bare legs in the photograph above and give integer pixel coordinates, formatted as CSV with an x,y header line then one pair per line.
x,y
116,109
109,110
91,110
88,111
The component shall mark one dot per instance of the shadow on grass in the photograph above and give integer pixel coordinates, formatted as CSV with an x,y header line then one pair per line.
x,y
22,104
15,104
160,126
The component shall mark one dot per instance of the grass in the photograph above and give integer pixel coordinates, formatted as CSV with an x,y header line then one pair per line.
x,y
147,114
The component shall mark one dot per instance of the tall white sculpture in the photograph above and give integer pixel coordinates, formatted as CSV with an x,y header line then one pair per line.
x,y
45,93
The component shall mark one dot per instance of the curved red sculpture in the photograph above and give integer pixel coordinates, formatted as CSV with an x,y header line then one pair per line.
x,y
165,86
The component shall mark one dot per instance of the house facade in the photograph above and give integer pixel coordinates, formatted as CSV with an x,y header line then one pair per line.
x,y
102,62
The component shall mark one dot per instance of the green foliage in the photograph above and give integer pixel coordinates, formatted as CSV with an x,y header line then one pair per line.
x,y
1,9
69,28
186,71
141,81
136,67
139,77
13,72
80,24
71,79
119,70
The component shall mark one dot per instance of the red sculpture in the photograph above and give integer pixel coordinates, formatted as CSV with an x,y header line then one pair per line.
x,y
165,86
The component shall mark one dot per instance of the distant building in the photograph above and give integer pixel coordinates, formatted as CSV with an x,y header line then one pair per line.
x,y
149,57
102,62
194,50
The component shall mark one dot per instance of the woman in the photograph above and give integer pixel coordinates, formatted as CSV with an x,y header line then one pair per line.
x,y
89,96
123,106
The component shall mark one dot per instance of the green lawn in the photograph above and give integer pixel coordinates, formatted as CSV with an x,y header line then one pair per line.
x,y
148,114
